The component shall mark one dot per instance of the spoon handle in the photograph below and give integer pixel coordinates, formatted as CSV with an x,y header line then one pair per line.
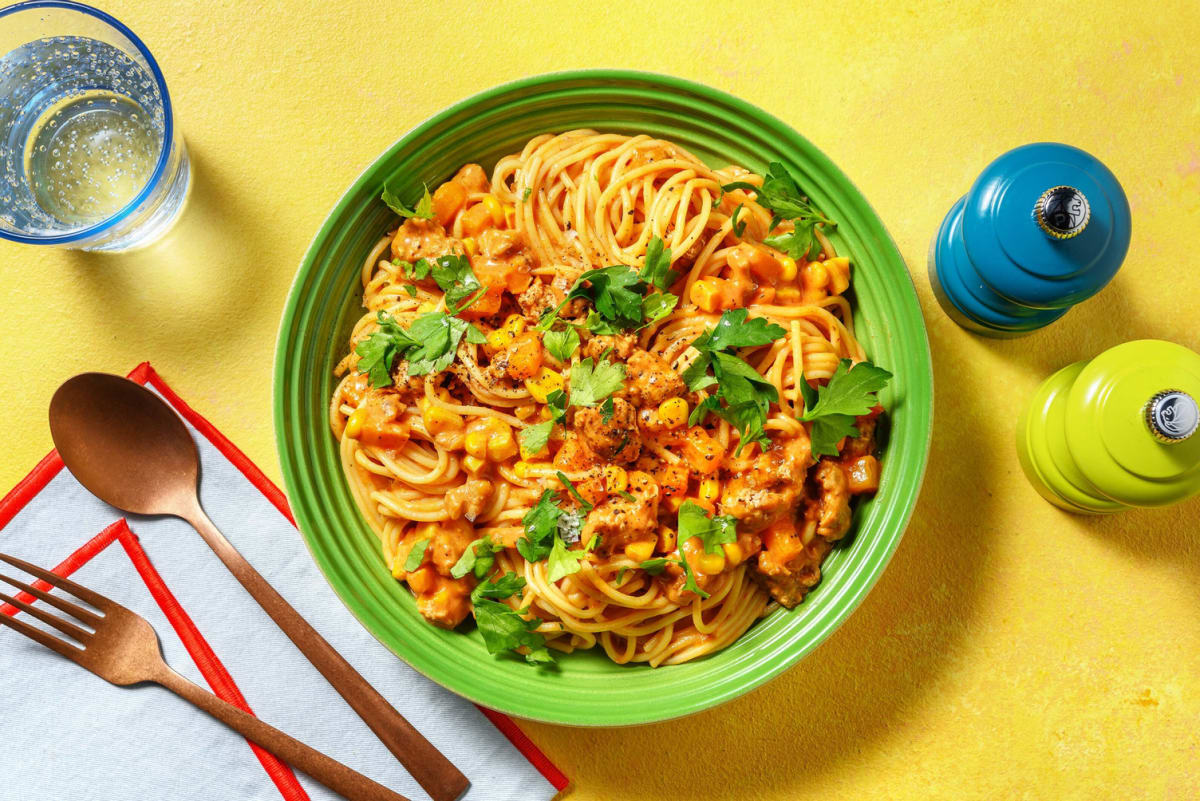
x,y
432,770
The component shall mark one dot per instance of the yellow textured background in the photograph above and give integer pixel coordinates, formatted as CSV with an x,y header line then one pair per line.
x,y
1010,651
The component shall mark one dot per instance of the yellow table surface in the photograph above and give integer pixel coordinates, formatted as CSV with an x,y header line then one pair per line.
x,y
1010,651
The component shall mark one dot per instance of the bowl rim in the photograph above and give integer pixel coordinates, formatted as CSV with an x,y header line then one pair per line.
x,y
848,602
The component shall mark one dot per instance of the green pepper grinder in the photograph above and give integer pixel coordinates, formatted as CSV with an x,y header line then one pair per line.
x,y
1116,432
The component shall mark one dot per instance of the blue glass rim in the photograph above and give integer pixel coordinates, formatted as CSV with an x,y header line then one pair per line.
x,y
168,127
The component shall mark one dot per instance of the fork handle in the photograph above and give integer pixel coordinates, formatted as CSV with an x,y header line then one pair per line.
x,y
344,781
431,769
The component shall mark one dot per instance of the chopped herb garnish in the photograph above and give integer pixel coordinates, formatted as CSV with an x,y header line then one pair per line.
x,y
498,587
739,228
564,561
831,409
658,305
712,531
656,267
561,344
626,495
657,566
556,402
535,437
423,209
592,383
540,524
607,410
525,195
410,289
504,628
566,482
416,555
743,396
478,558
429,345
781,195
455,277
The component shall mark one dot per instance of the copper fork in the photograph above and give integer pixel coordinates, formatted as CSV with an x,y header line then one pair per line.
x,y
123,649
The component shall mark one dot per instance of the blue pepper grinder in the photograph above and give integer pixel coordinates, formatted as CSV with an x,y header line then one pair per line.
x,y
1044,227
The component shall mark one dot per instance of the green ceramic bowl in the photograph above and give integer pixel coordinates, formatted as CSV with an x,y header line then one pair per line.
x,y
586,688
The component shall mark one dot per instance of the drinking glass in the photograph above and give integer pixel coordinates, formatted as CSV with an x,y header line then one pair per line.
x,y
90,157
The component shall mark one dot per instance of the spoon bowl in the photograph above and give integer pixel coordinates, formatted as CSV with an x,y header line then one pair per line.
x,y
125,445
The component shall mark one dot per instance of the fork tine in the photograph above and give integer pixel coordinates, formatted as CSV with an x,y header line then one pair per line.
x,y
48,640
74,610
66,627
82,593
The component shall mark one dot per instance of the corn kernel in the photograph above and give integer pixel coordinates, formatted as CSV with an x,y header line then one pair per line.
x,y
710,490
734,553
473,464
615,478
542,384
470,245
476,443
711,563
640,551
815,275
494,209
788,269
502,445
673,412
354,425
706,294
666,539
426,307
838,269
525,411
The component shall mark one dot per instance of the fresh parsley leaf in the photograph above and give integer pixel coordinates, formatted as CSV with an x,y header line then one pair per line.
x,y
410,289
658,305
437,335
478,558
599,326
733,330
614,292
850,390
656,267
475,336
455,277
743,395
561,344
504,629
626,495
540,524
378,351
606,410
525,195
416,555
591,383
831,409
828,431
423,209
690,579
781,195
739,228
556,402
712,531
498,587
535,437
563,561
566,482
656,566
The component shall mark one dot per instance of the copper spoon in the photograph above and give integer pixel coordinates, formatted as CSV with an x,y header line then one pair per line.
x,y
129,448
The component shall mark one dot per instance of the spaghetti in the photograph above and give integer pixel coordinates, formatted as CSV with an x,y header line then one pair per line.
x,y
545,423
